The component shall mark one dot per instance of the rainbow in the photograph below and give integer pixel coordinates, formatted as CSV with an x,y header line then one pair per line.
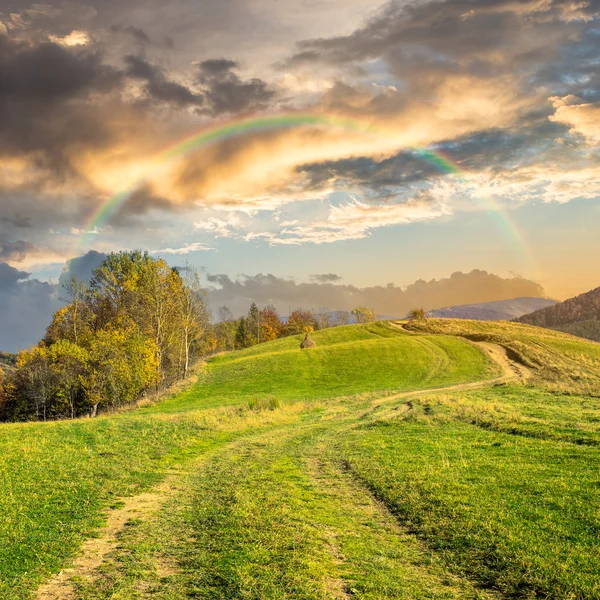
x,y
264,123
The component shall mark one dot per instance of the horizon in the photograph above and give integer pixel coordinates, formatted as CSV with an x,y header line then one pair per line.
x,y
257,140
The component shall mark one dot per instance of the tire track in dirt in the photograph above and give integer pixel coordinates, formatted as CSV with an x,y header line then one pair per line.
x,y
95,550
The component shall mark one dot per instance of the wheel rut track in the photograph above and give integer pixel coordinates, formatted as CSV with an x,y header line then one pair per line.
x,y
94,551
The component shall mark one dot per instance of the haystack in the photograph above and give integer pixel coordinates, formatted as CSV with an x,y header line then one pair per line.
x,y
307,342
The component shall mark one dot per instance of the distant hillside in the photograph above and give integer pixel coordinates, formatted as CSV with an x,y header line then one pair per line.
x,y
579,316
499,310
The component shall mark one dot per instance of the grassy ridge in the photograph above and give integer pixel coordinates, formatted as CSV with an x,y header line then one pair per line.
x,y
374,358
307,490
560,362
56,478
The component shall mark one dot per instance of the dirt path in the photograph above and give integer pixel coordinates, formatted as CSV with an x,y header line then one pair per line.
x,y
94,551
511,372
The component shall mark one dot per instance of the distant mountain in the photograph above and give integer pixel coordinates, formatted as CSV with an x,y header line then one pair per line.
x,y
579,316
499,310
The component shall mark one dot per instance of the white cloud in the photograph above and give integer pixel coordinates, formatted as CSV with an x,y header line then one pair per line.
x,y
187,249
354,220
75,38
582,118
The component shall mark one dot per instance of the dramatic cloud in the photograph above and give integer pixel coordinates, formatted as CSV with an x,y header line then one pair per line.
x,y
81,267
26,306
227,92
390,300
15,251
582,118
504,95
158,87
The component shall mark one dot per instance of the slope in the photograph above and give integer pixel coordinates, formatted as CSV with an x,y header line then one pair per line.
x,y
265,486
579,315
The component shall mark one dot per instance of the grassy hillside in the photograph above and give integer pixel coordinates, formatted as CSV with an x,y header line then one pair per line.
x,y
560,362
350,360
295,474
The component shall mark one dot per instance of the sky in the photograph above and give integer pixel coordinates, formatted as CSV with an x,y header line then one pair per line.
x,y
345,145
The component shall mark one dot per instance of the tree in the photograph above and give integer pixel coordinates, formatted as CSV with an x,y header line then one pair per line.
x,y
362,314
34,383
139,323
193,314
68,362
225,314
253,325
241,334
270,324
324,317
299,320
341,317
417,314
123,365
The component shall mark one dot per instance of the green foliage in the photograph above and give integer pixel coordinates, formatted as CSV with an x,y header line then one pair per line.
x,y
585,307
136,326
589,329
362,314
417,314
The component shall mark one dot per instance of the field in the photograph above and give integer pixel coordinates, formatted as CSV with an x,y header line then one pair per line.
x,y
326,473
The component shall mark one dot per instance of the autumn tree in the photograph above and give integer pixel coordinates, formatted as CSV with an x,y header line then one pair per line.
x,y
270,324
139,323
299,320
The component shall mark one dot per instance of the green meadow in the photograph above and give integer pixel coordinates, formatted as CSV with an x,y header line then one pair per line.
x,y
307,474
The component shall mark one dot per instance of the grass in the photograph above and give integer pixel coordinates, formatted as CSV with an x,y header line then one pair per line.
x,y
561,362
515,509
292,484
375,358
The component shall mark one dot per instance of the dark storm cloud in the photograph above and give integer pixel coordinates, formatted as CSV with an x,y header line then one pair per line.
x,y
26,307
392,300
15,251
497,149
17,221
455,34
45,94
27,304
137,33
226,92
158,86
10,277
378,176
81,267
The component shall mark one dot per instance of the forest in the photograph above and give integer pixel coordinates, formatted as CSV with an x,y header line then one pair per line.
x,y
578,316
137,326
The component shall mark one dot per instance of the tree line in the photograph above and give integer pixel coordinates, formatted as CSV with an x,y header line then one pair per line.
x,y
136,326
264,325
